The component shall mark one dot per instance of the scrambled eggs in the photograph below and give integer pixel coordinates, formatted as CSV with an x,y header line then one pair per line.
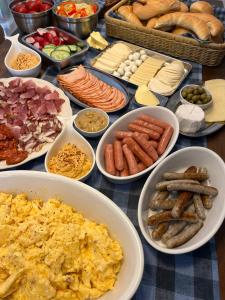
x,y
50,251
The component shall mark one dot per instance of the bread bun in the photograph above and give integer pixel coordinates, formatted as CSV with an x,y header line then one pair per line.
x,y
126,11
201,7
151,23
183,7
187,21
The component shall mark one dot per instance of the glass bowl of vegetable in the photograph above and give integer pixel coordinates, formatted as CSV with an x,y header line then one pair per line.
x,y
31,14
79,17
197,95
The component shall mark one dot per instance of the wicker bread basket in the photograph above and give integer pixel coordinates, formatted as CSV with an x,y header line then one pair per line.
x,y
209,54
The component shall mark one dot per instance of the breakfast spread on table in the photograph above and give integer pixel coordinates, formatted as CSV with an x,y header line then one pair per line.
x,y
51,250
178,207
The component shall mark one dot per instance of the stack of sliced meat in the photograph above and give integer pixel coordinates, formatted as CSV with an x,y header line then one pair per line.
x,y
92,91
30,111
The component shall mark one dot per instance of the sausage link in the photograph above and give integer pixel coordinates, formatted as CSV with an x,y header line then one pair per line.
x,y
154,121
193,187
184,236
131,161
141,166
136,149
125,171
152,134
153,143
120,134
166,216
160,229
118,155
146,146
207,201
181,202
165,139
196,176
173,229
200,210
158,196
148,125
162,185
109,159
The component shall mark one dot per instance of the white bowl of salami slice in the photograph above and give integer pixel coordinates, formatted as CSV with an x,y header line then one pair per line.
x,y
159,115
185,240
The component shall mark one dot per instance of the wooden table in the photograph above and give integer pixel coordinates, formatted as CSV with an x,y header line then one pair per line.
x,y
216,142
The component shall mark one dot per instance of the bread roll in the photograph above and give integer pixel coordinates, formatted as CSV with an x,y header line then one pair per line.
x,y
215,26
126,11
185,20
183,7
180,31
151,23
201,7
155,8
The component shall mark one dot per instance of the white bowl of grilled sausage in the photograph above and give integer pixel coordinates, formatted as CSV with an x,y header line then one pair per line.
x,y
181,205
136,143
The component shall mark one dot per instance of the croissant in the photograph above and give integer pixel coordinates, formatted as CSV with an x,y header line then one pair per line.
x,y
126,11
154,8
201,7
187,21
183,7
151,23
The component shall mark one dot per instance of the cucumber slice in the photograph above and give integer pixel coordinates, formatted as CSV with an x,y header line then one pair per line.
x,y
48,51
60,54
63,48
49,46
78,49
73,48
80,44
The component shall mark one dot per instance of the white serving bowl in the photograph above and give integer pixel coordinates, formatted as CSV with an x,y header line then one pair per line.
x,y
89,133
179,161
14,50
70,135
158,112
93,205
203,106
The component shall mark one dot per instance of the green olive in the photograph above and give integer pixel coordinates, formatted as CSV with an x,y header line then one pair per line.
x,y
184,94
209,97
189,96
201,90
195,92
203,96
199,102
195,98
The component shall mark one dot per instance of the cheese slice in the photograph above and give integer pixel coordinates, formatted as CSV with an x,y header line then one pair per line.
x,y
145,97
191,118
97,41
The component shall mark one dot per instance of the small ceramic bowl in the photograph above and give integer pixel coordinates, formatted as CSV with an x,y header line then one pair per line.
x,y
14,50
203,106
91,133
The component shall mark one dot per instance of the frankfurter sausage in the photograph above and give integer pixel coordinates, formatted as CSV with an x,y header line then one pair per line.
x,y
164,141
109,159
193,187
153,143
141,166
160,229
154,121
173,229
125,171
136,149
196,176
166,216
184,236
200,210
158,196
146,146
148,125
207,201
152,134
118,155
119,134
162,185
131,161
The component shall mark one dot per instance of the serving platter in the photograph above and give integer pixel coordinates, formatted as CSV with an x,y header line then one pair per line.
x,y
168,60
208,129
110,80
66,112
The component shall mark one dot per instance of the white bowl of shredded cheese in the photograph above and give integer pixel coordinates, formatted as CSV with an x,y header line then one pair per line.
x,y
91,266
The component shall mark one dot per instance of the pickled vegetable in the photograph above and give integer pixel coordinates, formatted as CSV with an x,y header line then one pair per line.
x,y
91,121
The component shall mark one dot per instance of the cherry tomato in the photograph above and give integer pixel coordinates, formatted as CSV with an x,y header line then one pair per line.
x,y
94,7
45,6
32,6
20,8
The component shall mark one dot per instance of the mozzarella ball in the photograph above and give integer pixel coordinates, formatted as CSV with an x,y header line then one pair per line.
x,y
136,55
115,73
138,62
127,62
133,68
142,52
122,65
143,57
120,71
127,69
125,78
127,74
130,57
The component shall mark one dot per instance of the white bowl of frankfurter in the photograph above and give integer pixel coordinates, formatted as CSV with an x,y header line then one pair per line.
x,y
180,216
136,143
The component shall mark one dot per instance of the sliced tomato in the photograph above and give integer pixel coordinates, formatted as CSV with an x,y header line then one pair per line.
x,y
83,12
20,8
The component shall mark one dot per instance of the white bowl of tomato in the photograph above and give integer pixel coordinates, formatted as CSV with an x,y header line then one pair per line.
x,y
31,14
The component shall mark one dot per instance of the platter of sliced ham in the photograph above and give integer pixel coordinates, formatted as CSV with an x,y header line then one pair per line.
x,y
31,117
89,87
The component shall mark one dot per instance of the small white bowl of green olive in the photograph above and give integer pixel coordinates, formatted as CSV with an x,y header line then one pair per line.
x,y
196,94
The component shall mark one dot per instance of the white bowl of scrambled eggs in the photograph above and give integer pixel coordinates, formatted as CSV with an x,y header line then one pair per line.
x,y
54,244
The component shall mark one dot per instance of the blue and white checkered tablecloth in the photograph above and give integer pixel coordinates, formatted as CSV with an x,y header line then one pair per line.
x,y
166,277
